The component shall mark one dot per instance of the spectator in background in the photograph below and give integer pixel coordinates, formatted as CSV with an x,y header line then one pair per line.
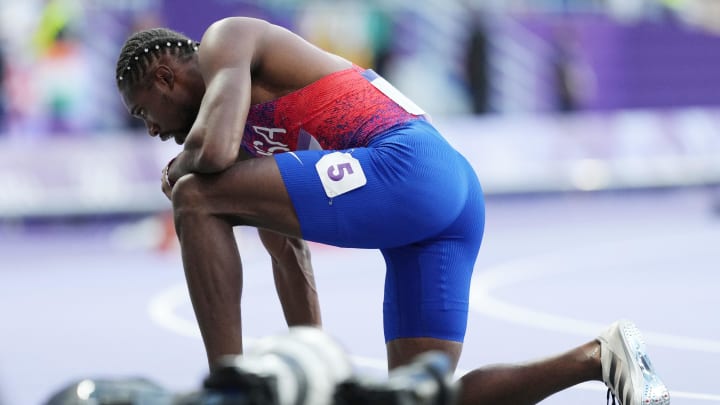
x,y
61,70
573,76
381,36
477,67
353,37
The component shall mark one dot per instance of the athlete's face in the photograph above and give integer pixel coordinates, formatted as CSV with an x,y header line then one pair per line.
x,y
166,106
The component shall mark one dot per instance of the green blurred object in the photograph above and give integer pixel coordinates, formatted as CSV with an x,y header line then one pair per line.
x,y
55,18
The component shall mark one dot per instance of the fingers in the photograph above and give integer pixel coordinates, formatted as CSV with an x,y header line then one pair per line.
x,y
165,181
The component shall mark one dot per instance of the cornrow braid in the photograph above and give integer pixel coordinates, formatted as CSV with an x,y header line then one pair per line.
x,y
143,47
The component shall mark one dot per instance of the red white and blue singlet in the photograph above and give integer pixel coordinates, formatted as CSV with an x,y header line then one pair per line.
x,y
340,111
365,169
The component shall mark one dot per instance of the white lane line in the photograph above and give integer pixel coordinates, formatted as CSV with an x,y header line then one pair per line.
x,y
163,310
534,268
531,269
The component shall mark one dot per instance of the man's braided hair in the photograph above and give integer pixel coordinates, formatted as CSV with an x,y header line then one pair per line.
x,y
144,47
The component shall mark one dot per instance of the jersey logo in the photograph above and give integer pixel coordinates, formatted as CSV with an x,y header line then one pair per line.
x,y
268,145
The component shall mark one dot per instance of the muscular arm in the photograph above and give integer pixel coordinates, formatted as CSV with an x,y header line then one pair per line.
x,y
227,55
244,61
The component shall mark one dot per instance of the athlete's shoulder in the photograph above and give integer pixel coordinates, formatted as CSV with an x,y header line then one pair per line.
x,y
234,29
231,42
233,24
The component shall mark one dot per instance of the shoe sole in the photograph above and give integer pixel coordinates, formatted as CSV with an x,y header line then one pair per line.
x,y
654,392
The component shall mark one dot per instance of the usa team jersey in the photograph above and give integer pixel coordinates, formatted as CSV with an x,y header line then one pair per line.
x,y
343,110
366,170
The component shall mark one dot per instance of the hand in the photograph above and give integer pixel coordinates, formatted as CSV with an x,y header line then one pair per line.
x,y
165,180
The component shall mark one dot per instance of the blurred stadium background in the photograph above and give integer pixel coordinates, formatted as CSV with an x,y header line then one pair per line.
x,y
548,99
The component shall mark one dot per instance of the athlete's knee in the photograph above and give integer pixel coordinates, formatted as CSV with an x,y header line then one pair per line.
x,y
402,351
187,196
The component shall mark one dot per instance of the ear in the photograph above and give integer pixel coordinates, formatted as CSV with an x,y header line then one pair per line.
x,y
164,76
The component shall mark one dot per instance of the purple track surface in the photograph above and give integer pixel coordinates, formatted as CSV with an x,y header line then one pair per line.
x,y
94,301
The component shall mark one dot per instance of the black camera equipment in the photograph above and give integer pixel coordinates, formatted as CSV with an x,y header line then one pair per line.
x,y
302,367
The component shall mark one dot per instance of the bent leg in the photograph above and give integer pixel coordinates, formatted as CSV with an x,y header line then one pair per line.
x,y
530,383
427,288
402,351
426,298
294,278
205,208
426,301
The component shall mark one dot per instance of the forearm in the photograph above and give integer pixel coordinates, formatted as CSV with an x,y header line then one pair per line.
x,y
294,278
188,162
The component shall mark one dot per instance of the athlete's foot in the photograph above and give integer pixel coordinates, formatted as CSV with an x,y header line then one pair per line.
x,y
626,367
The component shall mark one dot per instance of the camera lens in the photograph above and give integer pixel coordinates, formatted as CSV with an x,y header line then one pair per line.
x,y
301,367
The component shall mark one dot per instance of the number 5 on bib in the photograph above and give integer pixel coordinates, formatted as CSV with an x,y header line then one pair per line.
x,y
339,173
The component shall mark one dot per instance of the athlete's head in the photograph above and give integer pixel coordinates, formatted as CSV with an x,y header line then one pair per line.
x,y
159,80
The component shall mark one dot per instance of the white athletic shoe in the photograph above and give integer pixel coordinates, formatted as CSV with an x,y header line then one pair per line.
x,y
626,367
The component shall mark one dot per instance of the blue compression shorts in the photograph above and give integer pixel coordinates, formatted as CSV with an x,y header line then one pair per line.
x,y
421,204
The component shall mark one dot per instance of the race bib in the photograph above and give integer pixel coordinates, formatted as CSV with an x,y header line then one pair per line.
x,y
339,173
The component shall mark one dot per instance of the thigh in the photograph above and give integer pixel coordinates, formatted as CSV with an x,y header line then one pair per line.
x,y
426,299
427,284
427,289
251,192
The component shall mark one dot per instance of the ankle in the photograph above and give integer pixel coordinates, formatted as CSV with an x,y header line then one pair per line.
x,y
592,351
